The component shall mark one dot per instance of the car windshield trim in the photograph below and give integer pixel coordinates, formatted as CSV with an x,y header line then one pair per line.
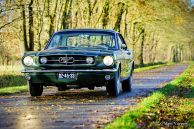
x,y
93,47
110,37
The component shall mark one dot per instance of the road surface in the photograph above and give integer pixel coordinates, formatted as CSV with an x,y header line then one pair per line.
x,y
79,108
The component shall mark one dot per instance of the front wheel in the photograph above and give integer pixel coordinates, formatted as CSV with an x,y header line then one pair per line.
x,y
114,86
91,87
127,84
35,89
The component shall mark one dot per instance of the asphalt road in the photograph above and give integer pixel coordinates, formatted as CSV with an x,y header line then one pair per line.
x,y
79,108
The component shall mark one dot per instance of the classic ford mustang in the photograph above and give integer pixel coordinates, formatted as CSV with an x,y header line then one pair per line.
x,y
83,58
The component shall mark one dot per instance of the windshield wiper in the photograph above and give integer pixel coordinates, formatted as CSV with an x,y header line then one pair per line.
x,y
90,46
101,46
83,46
64,47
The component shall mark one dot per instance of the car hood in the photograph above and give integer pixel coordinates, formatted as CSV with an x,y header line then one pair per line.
x,y
82,51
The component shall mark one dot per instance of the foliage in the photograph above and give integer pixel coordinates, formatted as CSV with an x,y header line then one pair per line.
x,y
11,76
163,107
159,30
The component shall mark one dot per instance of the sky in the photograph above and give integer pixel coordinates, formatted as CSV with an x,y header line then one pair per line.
x,y
192,2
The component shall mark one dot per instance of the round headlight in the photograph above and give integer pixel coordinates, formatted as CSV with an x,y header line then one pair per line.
x,y
108,60
28,61
89,60
43,60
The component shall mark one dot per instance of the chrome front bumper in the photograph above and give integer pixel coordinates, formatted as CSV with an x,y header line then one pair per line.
x,y
69,70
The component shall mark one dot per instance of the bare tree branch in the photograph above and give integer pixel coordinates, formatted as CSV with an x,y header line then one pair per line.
x,y
1,27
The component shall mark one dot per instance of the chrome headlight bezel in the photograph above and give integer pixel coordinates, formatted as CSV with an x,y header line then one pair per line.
x,y
108,60
43,60
28,61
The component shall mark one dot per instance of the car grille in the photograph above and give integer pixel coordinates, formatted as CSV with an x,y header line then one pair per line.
x,y
68,60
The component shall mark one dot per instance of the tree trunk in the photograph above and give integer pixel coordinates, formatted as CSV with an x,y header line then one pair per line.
x,y
105,15
192,49
133,35
24,28
155,51
66,18
173,54
52,18
76,20
142,48
31,27
59,18
125,31
40,16
89,11
119,16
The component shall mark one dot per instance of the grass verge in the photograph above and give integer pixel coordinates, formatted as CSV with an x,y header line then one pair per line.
x,y
11,76
169,107
10,90
11,80
151,66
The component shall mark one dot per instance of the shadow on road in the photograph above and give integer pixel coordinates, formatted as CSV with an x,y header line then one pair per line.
x,y
81,95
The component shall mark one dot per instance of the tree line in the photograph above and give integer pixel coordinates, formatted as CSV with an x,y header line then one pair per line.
x,y
154,30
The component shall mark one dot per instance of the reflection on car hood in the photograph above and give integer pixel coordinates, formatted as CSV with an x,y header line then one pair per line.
x,y
80,51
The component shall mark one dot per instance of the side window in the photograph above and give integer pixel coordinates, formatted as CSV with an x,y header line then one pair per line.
x,y
120,41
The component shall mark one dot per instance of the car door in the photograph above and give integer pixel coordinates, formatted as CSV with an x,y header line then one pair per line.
x,y
125,57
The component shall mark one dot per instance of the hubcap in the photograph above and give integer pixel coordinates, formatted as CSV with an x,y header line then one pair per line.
x,y
118,85
131,80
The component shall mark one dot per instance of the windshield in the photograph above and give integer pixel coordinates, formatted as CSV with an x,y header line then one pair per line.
x,y
82,40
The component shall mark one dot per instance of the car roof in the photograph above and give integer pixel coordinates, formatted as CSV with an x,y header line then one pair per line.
x,y
88,30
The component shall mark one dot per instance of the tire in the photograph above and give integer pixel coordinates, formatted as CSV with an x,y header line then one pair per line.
x,y
62,88
113,87
35,89
91,87
127,84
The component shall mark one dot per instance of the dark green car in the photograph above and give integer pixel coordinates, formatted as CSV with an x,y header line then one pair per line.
x,y
83,58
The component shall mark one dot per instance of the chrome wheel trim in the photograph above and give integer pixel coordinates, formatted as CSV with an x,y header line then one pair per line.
x,y
131,80
119,87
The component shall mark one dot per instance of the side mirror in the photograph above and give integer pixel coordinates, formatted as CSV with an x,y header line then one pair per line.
x,y
123,46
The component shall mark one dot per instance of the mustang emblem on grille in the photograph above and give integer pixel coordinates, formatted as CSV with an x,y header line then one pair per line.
x,y
66,59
